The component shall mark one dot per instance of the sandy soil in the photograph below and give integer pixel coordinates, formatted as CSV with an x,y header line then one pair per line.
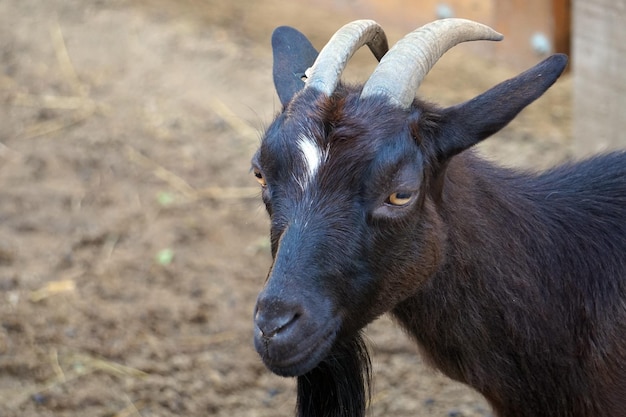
x,y
132,238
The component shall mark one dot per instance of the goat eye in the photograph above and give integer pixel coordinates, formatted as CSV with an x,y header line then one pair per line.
x,y
399,198
259,177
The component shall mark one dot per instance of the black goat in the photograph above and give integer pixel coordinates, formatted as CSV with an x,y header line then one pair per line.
x,y
513,283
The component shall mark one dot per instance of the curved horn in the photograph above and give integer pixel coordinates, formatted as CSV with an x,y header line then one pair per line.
x,y
402,70
332,59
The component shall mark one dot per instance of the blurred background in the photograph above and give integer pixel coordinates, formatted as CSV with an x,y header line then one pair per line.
x,y
132,237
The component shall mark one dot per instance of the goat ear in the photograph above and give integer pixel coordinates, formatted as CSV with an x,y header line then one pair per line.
x,y
293,55
468,123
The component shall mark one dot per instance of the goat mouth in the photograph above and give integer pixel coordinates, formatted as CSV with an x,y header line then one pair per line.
x,y
308,353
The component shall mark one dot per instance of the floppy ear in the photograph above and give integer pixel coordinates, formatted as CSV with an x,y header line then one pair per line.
x,y
468,123
293,55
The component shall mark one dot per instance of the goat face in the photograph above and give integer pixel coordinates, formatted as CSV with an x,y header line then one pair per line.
x,y
352,180
339,183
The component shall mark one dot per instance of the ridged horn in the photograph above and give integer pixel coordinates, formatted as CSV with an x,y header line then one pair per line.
x,y
325,73
401,71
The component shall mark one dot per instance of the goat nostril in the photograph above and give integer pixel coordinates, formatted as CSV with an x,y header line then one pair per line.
x,y
270,326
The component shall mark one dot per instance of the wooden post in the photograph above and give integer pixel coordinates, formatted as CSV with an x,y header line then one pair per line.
x,y
599,53
562,12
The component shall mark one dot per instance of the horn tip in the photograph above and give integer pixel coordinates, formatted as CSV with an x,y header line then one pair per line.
x,y
489,33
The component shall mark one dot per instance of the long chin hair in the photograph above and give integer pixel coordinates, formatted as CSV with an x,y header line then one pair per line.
x,y
339,386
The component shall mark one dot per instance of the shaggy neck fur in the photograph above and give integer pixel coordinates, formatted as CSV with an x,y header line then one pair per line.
x,y
514,310
339,386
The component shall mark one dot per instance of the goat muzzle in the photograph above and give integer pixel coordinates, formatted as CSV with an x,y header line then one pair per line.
x,y
291,335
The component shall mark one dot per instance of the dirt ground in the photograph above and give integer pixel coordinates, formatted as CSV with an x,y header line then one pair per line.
x,y
132,237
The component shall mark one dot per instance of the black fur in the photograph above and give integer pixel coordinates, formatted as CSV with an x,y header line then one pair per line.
x,y
529,305
340,385
511,282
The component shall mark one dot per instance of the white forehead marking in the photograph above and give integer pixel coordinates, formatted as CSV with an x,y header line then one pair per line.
x,y
313,156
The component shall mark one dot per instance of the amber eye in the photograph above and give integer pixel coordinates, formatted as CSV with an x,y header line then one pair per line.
x,y
259,177
399,198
